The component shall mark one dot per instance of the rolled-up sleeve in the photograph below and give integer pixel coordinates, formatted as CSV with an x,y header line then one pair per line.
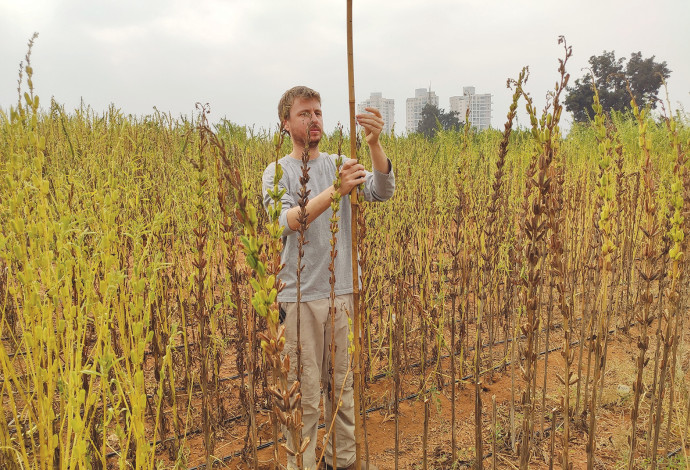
x,y
379,186
287,201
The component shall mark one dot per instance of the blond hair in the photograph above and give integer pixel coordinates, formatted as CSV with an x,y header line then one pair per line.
x,y
288,98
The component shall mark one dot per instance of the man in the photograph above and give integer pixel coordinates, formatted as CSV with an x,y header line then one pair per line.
x,y
300,115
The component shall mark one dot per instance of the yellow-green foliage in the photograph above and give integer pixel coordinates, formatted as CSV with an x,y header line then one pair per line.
x,y
97,218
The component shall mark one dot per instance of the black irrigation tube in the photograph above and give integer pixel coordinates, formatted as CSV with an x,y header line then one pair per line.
x,y
415,395
380,375
185,435
376,377
380,407
370,410
270,443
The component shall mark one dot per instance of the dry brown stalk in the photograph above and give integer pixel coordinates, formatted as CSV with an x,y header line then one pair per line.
x,y
397,333
366,276
490,247
335,208
677,205
630,241
589,243
243,358
560,274
455,248
302,217
263,255
604,295
659,315
546,134
494,434
202,316
649,272
680,207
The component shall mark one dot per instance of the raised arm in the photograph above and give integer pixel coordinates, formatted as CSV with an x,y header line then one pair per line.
x,y
351,174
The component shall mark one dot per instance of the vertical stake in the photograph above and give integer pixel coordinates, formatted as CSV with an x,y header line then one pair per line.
x,y
353,224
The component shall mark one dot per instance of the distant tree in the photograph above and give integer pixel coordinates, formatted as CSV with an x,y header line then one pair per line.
x,y
434,119
644,76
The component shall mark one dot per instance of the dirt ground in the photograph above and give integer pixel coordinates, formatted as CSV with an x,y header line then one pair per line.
x,y
612,424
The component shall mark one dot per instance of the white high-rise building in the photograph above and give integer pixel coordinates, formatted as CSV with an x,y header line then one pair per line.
x,y
422,96
479,106
385,105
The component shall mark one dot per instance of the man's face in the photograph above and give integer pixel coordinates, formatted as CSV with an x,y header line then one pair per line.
x,y
305,123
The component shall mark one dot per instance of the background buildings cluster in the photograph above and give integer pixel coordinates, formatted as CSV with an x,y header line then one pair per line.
x,y
479,106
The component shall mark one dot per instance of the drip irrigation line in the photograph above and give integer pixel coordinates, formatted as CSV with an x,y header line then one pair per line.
x,y
380,407
369,410
322,425
381,375
415,395
270,443
185,435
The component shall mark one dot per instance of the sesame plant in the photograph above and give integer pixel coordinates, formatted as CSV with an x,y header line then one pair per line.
x,y
139,325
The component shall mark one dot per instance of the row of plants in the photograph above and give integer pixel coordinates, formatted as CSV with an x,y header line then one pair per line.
x,y
139,273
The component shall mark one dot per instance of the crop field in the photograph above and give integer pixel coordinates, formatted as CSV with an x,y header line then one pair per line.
x,y
523,294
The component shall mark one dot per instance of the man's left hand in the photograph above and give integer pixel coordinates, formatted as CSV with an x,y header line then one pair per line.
x,y
372,122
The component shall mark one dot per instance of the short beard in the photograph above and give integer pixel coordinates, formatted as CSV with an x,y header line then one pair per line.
x,y
308,142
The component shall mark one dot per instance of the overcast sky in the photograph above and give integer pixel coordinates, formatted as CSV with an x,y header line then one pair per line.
x,y
240,55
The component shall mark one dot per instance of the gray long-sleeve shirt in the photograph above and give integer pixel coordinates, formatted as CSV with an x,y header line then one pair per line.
x,y
314,280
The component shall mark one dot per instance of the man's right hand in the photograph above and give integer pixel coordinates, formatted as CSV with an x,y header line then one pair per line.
x,y
351,174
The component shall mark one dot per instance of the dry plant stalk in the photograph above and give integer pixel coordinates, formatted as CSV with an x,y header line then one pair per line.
x,y
605,192
649,272
397,334
677,237
680,205
202,316
498,200
302,217
355,267
559,274
263,257
491,240
363,250
494,434
457,251
546,134
246,394
335,208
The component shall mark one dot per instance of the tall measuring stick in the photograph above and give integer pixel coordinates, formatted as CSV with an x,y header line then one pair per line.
x,y
355,264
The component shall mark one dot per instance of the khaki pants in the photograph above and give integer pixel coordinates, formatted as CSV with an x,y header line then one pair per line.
x,y
315,323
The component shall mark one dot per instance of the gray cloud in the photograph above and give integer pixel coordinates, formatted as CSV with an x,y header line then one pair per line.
x,y
240,55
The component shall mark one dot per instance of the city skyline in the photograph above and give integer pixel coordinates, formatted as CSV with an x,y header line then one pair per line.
x,y
480,108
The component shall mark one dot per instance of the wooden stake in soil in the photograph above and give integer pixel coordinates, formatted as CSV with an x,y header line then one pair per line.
x,y
353,219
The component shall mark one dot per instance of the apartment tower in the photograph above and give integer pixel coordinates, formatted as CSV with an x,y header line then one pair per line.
x,y
422,97
479,106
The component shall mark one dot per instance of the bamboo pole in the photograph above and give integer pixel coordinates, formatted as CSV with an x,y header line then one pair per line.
x,y
353,225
